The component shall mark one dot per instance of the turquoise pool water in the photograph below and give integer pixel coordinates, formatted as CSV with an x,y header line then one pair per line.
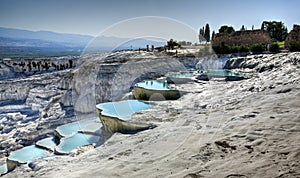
x,y
91,124
154,84
47,143
182,75
79,139
71,140
123,109
27,154
221,73
3,169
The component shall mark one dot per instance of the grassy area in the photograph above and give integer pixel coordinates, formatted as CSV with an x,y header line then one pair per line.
x,y
280,43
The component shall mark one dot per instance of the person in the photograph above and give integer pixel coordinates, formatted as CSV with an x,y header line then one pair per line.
x,y
268,46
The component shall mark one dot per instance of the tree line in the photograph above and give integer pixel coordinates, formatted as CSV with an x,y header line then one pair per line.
x,y
277,31
204,34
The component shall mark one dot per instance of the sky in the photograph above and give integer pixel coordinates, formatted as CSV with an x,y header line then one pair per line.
x,y
92,17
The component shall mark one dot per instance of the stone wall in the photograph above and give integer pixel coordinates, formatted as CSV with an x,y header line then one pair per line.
x,y
246,37
294,35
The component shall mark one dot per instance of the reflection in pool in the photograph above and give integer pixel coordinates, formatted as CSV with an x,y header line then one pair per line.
x,y
91,124
79,139
123,109
221,73
154,84
48,143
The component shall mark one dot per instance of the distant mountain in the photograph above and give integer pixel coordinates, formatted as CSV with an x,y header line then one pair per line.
x,y
16,42
20,42
115,44
65,39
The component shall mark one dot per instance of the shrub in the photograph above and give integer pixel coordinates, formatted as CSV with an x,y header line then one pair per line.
x,y
223,49
217,49
234,49
243,49
294,46
257,48
274,47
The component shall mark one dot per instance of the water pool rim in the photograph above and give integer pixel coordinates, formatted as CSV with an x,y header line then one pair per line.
x,y
13,155
105,112
153,89
222,72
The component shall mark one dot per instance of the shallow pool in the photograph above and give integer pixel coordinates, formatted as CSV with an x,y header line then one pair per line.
x,y
79,139
91,124
154,84
27,154
47,143
221,73
123,109
3,169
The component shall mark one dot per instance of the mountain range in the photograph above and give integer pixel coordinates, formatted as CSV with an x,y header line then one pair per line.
x,y
17,42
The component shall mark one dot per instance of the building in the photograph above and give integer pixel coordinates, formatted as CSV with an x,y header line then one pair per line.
x,y
238,38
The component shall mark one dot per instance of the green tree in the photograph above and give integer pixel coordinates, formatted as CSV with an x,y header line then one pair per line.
x,y
213,35
243,28
201,35
277,30
207,33
243,49
184,43
201,32
226,29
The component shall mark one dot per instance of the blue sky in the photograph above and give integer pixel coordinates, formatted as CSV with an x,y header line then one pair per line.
x,y
93,16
